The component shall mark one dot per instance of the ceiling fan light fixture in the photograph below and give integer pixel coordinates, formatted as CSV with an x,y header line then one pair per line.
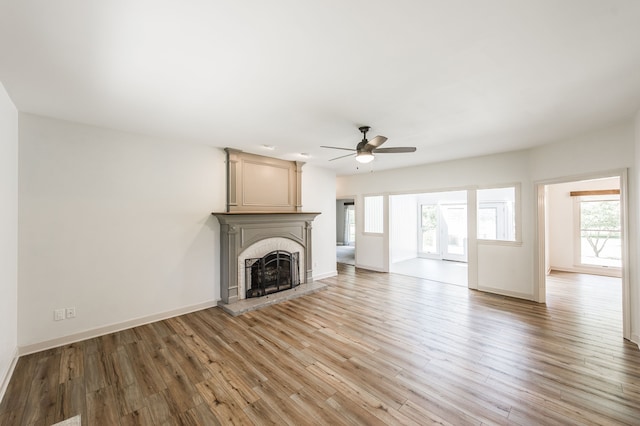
x,y
364,157
365,148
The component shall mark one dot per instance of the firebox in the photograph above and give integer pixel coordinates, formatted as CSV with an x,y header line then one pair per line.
x,y
277,271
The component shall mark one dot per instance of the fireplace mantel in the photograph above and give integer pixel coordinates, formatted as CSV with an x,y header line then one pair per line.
x,y
256,214
240,230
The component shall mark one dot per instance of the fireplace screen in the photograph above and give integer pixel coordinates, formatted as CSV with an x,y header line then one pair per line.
x,y
274,272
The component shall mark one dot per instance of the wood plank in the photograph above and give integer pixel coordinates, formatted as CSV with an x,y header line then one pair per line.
x,y
160,409
222,404
18,388
200,415
102,407
141,417
41,400
71,400
71,362
595,192
146,375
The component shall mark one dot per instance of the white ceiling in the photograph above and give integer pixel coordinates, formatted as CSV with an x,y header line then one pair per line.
x,y
454,78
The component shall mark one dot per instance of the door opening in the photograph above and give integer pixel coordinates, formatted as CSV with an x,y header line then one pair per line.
x,y
345,231
428,236
582,230
443,231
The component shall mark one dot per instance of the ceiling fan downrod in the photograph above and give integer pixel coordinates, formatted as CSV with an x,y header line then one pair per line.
x,y
364,130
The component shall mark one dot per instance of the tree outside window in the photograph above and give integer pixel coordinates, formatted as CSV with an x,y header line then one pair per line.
x,y
600,233
429,223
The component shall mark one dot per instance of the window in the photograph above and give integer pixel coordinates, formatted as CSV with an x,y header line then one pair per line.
x,y
429,224
600,231
497,214
374,214
350,224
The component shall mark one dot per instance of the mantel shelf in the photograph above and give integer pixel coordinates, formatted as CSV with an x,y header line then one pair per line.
x,y
235,218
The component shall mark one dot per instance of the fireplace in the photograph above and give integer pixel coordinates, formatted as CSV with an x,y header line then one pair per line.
x,y
265,237
277,271
276,245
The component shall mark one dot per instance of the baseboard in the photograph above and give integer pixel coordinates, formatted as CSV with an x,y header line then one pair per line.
x,y
508,293
370,268
616,273
101,331
635,338
5,380
325,275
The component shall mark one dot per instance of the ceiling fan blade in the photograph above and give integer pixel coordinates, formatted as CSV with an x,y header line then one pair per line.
x,y
394,150
342,156
337,147
375,142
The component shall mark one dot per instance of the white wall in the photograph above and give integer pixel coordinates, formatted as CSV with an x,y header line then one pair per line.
x,y
118,226
598,151
319,195
561,223
403,227
8,237
560,226
634,227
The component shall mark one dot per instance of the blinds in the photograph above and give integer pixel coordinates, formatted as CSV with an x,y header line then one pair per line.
x,y
374,214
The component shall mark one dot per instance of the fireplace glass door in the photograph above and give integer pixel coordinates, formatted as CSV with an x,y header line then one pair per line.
x,y
277,271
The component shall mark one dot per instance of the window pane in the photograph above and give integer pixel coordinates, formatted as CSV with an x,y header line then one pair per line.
x,y
600,233
429,224
496,214
456,218
373,214
351,224
487,223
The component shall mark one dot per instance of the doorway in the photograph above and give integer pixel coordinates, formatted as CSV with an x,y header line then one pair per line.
x,y
345,231
443,231
428,236
582,230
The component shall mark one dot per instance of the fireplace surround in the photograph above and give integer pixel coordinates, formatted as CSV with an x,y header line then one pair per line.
x,y
245,236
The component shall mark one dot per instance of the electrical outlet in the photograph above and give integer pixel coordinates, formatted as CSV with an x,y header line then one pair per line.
x,y
58,314
71,312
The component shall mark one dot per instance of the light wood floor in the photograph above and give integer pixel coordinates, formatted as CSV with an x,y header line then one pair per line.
x,y
371,349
